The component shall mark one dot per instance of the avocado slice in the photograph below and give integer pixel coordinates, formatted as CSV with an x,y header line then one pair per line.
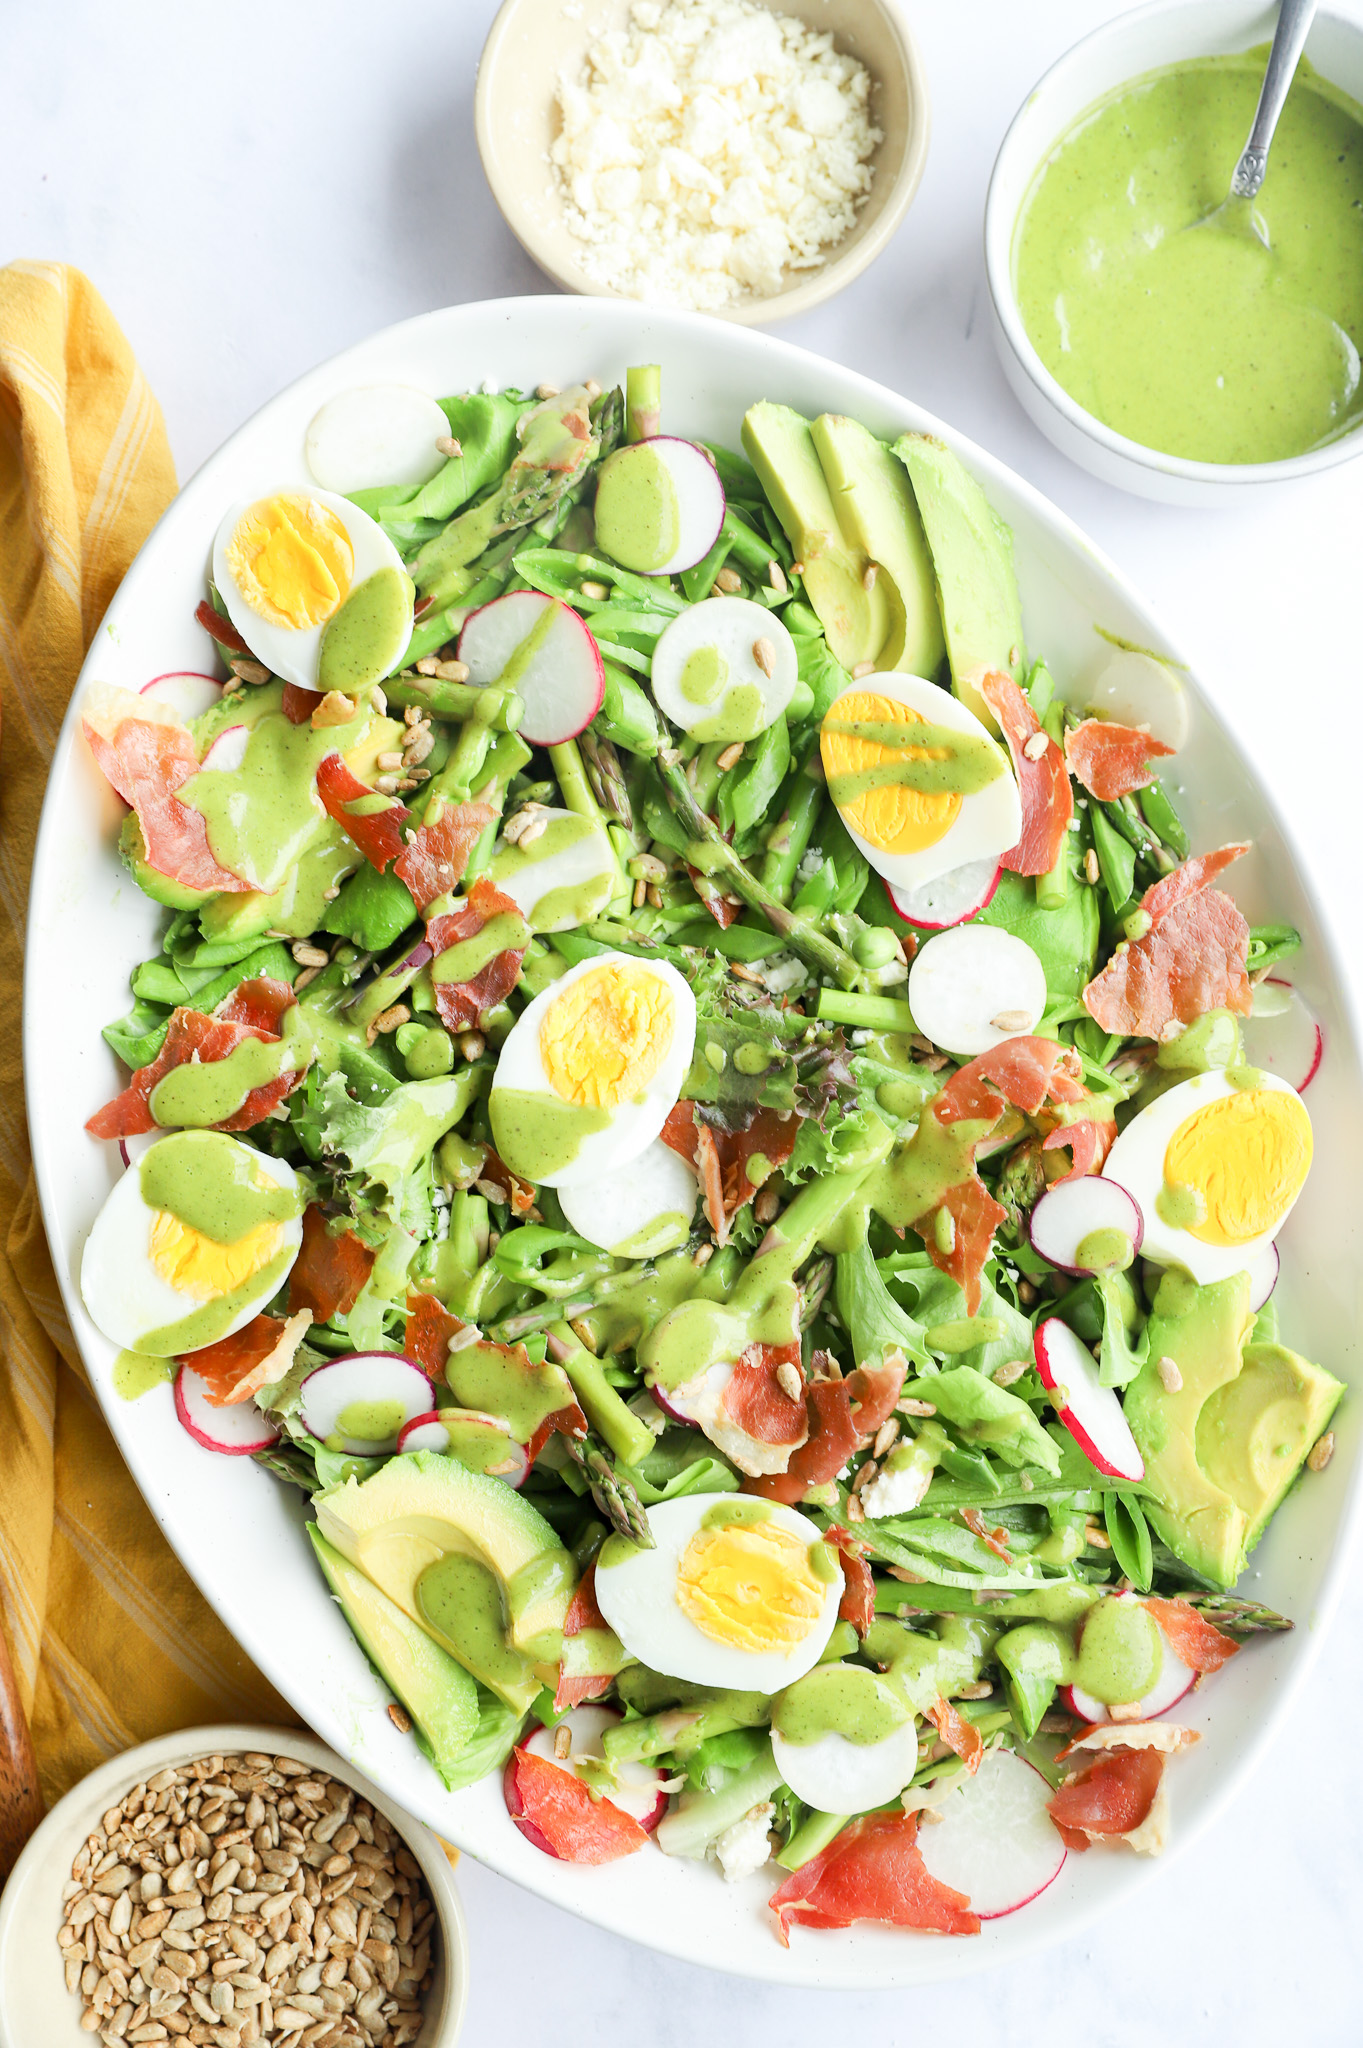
x,y
464,1557
437,1692
1254,1434
972,558
780,446
1222,1452
876,509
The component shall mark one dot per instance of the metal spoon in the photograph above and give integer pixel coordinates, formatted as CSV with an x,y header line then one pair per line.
x,y
1289,40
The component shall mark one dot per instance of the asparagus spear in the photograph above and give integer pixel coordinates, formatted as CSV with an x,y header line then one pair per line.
x,y
606,777
710,852
613,1493
454,700
1235,1616
643,402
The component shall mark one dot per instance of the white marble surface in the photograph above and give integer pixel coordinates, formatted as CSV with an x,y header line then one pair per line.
x,y
253,189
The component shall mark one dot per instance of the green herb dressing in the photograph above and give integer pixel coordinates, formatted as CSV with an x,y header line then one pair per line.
x,y
507,931
703,675
638,519
737,1511
535,1133
967,762
742,714
840,1699
461,1599
1180,1206
215,1185
364,639
135,1374
1104,1251
662,1234
1203,344
207,1092
367,1422
507,1384
593,876
262,816
1120,1652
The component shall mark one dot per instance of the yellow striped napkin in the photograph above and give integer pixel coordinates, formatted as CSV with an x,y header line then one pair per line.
x,y
111,1641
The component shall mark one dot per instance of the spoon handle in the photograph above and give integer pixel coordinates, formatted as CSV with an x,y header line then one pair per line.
x,y
1289,39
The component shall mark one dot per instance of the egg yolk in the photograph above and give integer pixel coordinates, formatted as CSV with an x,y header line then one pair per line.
x,y
750,1585
292,561
890,817
607,1035
201,1269
1246,1156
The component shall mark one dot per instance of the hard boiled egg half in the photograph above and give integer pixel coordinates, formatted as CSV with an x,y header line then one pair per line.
x,y
736,1592
192,1242
591,1068
315,588
917,811
1216,1165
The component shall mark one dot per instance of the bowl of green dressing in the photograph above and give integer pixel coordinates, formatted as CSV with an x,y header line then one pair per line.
x,y
1177,358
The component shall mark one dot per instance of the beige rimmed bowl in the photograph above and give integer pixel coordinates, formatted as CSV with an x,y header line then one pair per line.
x,y
516,113
37,2010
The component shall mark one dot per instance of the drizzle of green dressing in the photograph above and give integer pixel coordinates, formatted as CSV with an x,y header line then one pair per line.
x,y
1180,1205
506,932
1205,344
742,714
739,1510
839,1699
506,1382
207,1092
536,1134
662,1234
370,1422
703,676
364,639
215,1185
462,1600
528,648
823,1562
262,816
135,1374
1104,1251
574,902
638,518
1245,1078
967,761
1120,1652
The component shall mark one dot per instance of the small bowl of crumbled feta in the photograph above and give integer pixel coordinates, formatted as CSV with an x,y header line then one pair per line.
x,y
728,156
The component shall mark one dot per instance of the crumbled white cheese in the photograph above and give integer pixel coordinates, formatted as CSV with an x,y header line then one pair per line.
x,y
744,1847
896,1492
709,148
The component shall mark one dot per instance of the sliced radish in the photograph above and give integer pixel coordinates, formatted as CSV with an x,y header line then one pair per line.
x,y
700,1401
1090,1411
951,898
971,988
186,692
236,1431
375,434
1174,1680
482,1442
638,1788
678,488
1282,1035
1139,689
706,674
543,650
390,1387
228,750
834,1775
994,1839
1071,1212
1263,1276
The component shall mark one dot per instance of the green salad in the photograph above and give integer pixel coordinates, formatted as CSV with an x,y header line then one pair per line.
x,y
695,1097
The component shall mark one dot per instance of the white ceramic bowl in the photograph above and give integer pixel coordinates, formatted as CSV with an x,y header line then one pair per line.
x,y
37,2010
88,925
1166,33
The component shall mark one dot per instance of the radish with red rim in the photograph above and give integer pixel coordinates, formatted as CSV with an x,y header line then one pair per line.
x,y
724,669
481,1442
539,647
228,750
1282,1036
994,1839
237,1431
1174,1680
186,691
659,505
1090,1411
1263,1276
834,1775
638,1787
1066,1223
360,1404
948,899
975,986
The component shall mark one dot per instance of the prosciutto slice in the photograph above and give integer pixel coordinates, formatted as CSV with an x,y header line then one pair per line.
x,y
873,1870
757,1401
434,859
1112,761
146,755
1193,958
462,1003
330,1270
380,834
1043,784
251,1011
1112,1795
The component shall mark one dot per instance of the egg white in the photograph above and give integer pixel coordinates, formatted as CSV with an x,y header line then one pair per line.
x,y
641,1210
126,1297
834,1775
733,626
633,1124
638,1599
989,822
586,865
287,651
1136,1162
